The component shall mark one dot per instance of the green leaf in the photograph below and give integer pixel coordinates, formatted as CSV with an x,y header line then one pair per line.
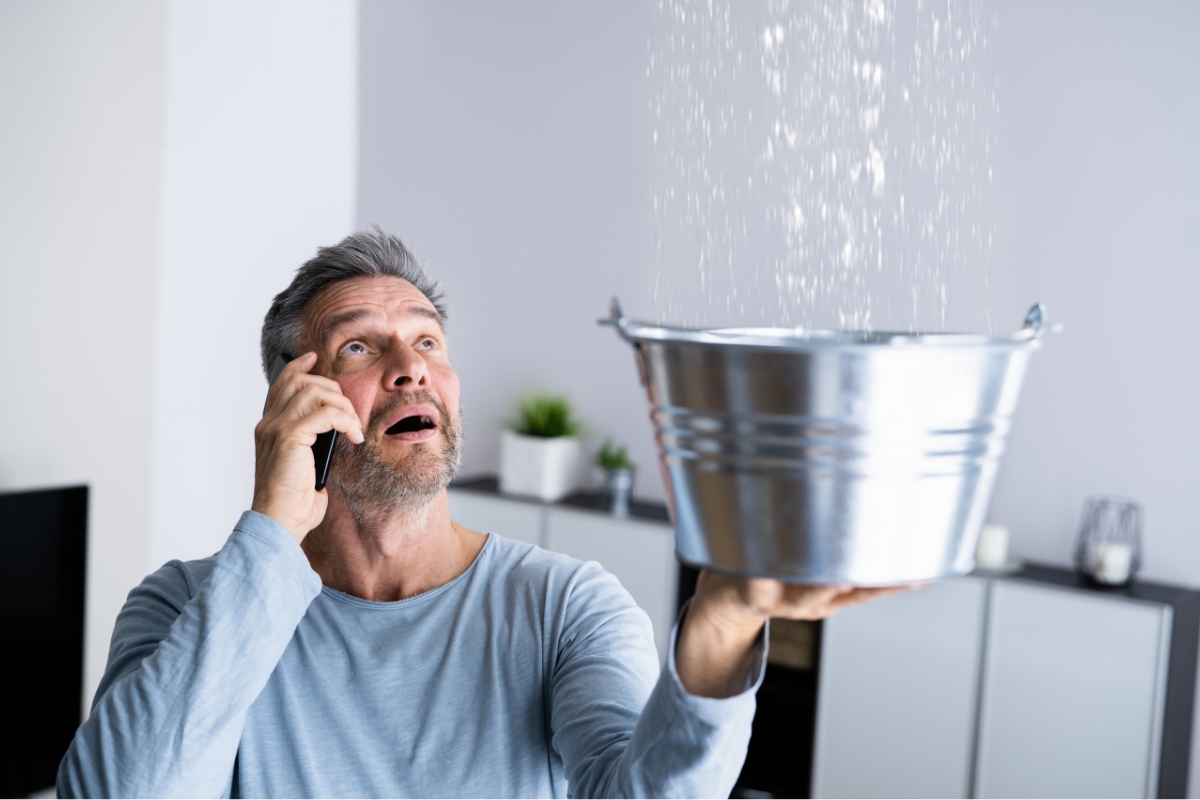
x,y
613,456
545,415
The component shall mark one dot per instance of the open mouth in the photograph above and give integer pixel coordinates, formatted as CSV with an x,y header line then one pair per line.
x,y
417,422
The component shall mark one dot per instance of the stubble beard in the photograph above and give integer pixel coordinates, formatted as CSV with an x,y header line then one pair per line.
x,y
374,487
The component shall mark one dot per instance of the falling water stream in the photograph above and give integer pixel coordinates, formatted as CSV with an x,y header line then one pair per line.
x,y
825,163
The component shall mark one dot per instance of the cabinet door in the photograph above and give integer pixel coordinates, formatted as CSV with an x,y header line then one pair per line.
x,y
897,694
640,554
512,519
1072,694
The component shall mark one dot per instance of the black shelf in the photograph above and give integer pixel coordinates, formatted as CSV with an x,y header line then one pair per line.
x,y
590,501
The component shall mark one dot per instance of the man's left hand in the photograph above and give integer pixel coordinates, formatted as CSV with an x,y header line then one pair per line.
x,y
715,648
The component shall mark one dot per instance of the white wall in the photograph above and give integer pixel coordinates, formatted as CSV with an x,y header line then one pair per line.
x,y
165,168
81,85
259,170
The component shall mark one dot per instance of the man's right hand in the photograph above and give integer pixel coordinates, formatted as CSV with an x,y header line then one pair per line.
x,y
300,406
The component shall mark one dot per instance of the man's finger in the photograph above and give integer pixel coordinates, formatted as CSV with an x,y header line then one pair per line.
x,y
339,419
861,595
319,420
288,387
296,374
796,594
312,397
808,602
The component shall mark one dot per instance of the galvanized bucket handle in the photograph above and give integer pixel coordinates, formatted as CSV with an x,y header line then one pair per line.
x,y
616,318
1036,326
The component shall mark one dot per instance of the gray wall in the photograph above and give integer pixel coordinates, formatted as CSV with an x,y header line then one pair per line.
x,y
509,145
1098,213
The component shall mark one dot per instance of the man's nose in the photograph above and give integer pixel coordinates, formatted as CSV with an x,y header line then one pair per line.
x,y
406,369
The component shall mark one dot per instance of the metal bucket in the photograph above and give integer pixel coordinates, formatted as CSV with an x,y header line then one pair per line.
x,y
819,456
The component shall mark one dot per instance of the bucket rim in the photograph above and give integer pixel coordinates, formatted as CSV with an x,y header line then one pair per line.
x,y
808,339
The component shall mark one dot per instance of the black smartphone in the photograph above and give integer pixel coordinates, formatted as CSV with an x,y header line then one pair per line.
x,y
323,447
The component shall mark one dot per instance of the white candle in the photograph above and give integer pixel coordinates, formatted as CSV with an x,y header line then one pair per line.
x,y
992,550
1112,562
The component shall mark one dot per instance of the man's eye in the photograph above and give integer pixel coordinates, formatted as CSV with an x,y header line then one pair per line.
x,y
354,349
428,344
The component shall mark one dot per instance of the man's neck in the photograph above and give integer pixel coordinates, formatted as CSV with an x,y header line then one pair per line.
x,y
390,557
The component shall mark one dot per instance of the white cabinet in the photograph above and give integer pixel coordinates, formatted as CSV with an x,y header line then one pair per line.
x,y
986,687
897,695
1072,694
639,553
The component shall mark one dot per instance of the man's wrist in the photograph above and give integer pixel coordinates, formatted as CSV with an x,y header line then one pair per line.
x,y
730,611
713,658
731,628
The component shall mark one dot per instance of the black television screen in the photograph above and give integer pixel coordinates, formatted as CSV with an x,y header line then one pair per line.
x,y
43,539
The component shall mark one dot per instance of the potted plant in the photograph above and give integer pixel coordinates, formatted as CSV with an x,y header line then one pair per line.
x,y
614,477
540,448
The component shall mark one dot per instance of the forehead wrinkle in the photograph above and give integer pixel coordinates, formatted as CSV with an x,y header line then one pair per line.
x,y
334,321
338,319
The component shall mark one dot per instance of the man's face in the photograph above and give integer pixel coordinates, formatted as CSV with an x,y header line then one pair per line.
x,y
382,341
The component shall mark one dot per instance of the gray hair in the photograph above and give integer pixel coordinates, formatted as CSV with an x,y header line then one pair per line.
x,y
366,254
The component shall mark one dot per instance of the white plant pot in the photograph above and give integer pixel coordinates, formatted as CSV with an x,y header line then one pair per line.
x,y
547,469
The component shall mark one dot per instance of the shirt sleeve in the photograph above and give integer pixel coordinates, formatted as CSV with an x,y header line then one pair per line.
x,y
185,664
623,727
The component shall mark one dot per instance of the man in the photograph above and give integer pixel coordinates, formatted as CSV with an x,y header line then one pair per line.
x,y
357,641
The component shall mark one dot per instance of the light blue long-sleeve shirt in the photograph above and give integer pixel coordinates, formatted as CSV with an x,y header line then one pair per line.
x,y
531,674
